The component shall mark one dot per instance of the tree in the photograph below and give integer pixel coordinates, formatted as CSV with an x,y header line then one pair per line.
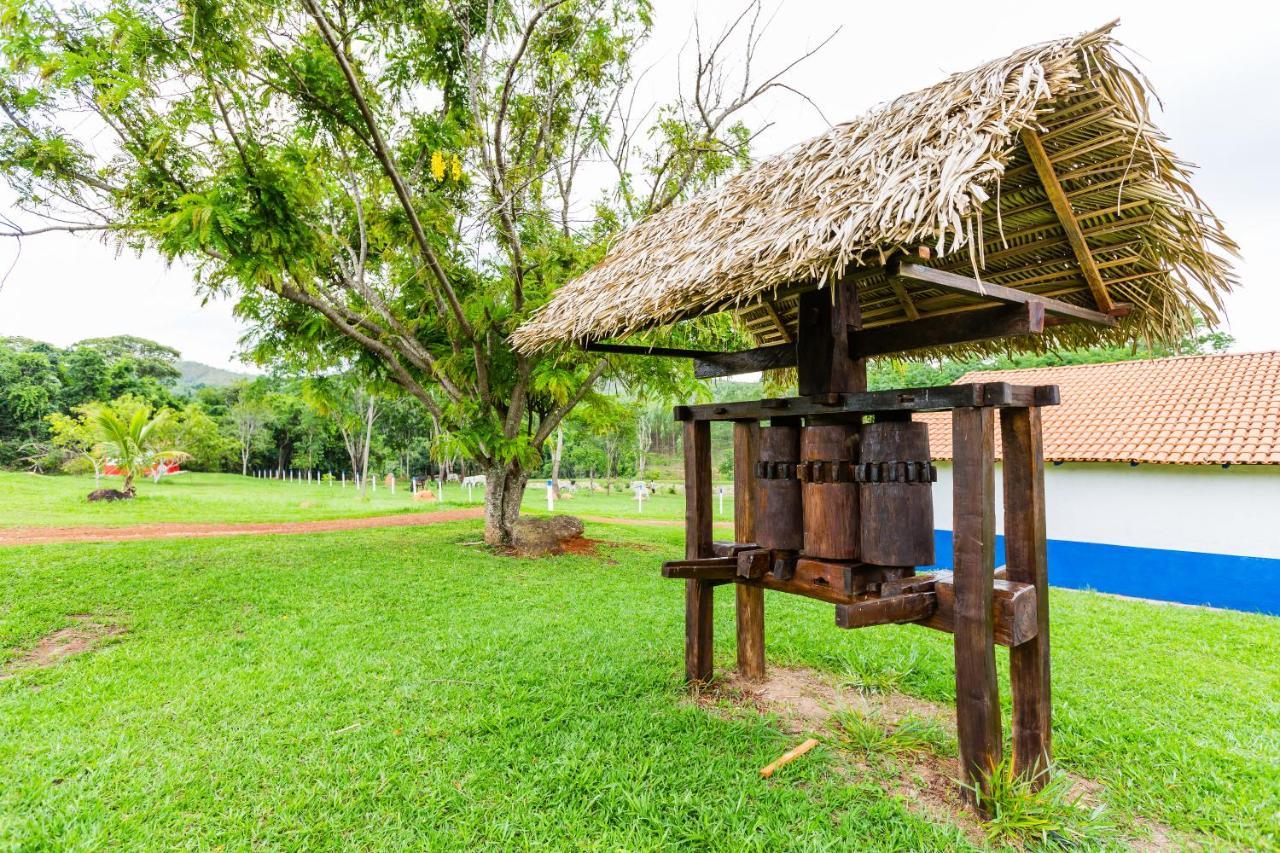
x,y
350,402
394,185
77,435
198,433
248,417
132,444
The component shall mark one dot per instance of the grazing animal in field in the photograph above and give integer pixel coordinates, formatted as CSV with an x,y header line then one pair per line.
x,y
111,495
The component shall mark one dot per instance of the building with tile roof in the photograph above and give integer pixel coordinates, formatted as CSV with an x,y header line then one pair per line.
x,y
1165,477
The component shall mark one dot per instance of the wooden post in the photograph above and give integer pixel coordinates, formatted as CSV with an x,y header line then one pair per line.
x,y
823,361
1024,543
749,600
698,610
974,535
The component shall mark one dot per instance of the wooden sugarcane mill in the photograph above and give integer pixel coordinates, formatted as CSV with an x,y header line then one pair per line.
x,y
1058,218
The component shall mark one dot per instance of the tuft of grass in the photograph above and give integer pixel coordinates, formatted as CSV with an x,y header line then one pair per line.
x,y
870,735
1051,817
889,678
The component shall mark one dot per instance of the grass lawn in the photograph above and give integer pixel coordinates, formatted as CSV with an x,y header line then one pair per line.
x,y
402,688
53,501
33,500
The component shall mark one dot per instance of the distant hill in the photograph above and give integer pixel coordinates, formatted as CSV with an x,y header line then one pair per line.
x,y
194,373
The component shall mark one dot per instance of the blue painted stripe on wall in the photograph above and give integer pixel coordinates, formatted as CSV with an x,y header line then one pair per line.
x,y
1187,577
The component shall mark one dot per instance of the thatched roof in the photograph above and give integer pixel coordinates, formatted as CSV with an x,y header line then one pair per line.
x,y
945,167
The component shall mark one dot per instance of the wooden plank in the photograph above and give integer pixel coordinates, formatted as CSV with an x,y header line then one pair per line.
x,y
904,299
1027,562
964,284
933,399
1066,216
706,569
973,532
698,601
987,324
748,601
731,549
911,607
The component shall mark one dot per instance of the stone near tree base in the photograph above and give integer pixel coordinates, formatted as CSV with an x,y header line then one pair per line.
x,y
538,537
110,495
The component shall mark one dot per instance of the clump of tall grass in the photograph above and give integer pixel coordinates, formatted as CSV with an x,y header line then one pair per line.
x,y
1049,817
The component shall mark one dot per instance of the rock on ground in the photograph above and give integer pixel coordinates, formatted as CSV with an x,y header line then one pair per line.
x,y
538,537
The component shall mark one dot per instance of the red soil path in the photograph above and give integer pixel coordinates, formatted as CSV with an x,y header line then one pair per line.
x,y
172,530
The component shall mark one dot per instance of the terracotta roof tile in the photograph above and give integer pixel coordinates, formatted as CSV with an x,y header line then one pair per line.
x,y
1203,409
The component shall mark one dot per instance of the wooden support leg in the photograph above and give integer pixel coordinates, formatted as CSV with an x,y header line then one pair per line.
x,y
749,601
698,607
977,699
1024,542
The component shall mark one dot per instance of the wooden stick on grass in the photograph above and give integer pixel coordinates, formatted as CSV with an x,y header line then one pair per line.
x,y
788,757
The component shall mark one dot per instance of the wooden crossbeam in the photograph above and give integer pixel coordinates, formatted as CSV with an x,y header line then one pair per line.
x,y
935,399
1066,216
777,321
963,284
1005,321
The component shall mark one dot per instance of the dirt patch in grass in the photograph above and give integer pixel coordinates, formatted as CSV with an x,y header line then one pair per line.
x,y
923,778
83,636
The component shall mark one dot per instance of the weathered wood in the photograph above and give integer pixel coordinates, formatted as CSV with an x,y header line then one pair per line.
x,y
995,292
749,620
777,516
830,509
705,569
823,362
731,549
911,607
748,601
777,321
1013,609
754,564
1067,218
1005,321
710,365
1026,561
896,519
825,580
973,531
934,399
698,601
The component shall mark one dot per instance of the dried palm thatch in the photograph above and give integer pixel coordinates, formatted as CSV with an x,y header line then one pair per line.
x,y
946,167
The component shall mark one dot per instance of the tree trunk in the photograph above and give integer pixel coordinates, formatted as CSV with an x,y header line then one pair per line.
x,y
503,492
555,462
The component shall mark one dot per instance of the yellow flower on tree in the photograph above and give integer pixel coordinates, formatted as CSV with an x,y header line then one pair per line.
x,y
437,165
455,167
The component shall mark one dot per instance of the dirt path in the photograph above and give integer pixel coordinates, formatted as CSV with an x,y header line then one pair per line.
x,y
173,530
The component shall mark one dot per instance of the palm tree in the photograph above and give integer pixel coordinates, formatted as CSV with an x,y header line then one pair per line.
x,y
133,446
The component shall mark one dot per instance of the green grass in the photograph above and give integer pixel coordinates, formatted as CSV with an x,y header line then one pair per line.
x,y
399,688
33,500
45,501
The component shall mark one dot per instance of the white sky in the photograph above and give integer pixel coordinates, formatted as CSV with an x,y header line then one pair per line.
x,y
1214,66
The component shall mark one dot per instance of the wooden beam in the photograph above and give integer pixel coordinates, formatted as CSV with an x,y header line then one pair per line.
x,y
1066,216
1013,609
911,607
703,569
974,542
772,311
998,292
983,325
1025,550
823,361
709,365
698,601
900,291
748,601
934,399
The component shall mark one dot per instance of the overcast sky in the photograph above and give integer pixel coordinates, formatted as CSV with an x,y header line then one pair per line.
x,y
1214,66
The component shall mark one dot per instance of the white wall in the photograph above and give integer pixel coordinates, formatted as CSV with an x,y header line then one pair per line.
x,y
1203,508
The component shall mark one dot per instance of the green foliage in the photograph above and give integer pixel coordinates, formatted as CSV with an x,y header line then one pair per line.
x,y
870,735
131,439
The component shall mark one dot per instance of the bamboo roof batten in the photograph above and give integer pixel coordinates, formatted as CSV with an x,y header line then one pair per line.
x,y
1097,213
